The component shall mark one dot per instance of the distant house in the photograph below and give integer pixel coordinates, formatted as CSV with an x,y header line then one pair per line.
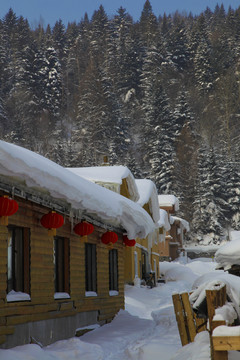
x,y
164,228
54,281
173,244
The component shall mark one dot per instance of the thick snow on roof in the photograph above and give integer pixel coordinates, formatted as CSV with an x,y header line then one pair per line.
x,y
228,254
109,174
168,200
185,223
38,172
164,221
148,194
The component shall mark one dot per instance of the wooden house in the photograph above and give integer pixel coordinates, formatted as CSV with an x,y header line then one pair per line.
x,y
164,228
53,280
172,246
143,257
145,253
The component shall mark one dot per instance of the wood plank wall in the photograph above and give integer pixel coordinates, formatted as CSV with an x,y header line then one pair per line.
x,y
43,305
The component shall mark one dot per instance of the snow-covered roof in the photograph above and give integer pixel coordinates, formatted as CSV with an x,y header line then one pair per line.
x,y
164,222
184,223
39,173
228,254
168,200
148,195
109,174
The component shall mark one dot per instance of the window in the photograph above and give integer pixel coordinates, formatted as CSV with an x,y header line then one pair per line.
x,y
136,264
91,267
113,270
61,265
18,275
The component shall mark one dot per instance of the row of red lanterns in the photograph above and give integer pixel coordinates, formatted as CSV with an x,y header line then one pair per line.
x,y
53,221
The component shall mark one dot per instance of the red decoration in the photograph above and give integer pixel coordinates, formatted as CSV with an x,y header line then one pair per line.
x,y
8,206
52,220
109,238
128,242
83,228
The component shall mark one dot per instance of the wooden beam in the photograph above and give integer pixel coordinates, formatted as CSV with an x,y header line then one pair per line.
x,y
227,343
178,308
189,316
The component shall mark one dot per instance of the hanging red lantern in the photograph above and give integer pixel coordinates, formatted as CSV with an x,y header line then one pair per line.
x,y
109,238
8,207
128,242
83,228
52,221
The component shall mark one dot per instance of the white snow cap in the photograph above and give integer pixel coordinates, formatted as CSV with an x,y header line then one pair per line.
x,y
164,221
184,223
228,254
148,194
102,204
109,174
168,200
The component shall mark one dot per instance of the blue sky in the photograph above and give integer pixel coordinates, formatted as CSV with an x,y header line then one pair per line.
x,y
73,10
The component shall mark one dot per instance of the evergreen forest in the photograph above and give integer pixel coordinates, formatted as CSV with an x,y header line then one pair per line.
x,y
160,95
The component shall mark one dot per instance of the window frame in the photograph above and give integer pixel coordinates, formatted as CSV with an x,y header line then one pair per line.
x,y
61,261
90,268
113,270
19,255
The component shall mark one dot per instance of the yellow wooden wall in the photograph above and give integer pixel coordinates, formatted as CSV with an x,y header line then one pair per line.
x,y
43,305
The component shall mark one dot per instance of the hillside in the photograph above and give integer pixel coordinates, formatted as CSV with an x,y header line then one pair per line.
x,y
160,95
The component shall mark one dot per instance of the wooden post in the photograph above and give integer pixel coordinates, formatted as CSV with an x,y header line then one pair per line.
x,y
189,316
178,308
217,354
215,299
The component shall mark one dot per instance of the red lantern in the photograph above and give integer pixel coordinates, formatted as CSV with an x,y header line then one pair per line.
x,y
83,228
8,206
128,242
52,220
109,238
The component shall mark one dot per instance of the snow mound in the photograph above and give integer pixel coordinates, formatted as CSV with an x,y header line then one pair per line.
x,y
228,254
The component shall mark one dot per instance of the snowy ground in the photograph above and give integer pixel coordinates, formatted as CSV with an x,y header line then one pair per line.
x,y
145,330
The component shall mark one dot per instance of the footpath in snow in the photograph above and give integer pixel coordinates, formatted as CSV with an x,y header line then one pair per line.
x,y
145,330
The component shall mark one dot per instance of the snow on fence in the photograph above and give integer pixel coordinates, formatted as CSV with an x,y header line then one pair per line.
x,y
222,338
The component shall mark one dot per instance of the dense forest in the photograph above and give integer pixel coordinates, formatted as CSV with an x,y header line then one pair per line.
x,y
160,95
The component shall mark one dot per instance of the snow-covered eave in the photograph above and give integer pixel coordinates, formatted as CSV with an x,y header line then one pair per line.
x,y
148,196
164,221
40,196
40,173
109,175
168,201
184,223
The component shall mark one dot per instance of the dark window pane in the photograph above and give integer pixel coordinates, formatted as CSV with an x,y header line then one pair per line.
x,y
18,259
90,267
113,270
61,264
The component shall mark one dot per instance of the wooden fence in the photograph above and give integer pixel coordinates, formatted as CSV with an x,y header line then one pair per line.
x,y
189,325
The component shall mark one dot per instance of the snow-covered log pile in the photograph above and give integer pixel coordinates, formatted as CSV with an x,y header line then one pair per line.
x,y
214,281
